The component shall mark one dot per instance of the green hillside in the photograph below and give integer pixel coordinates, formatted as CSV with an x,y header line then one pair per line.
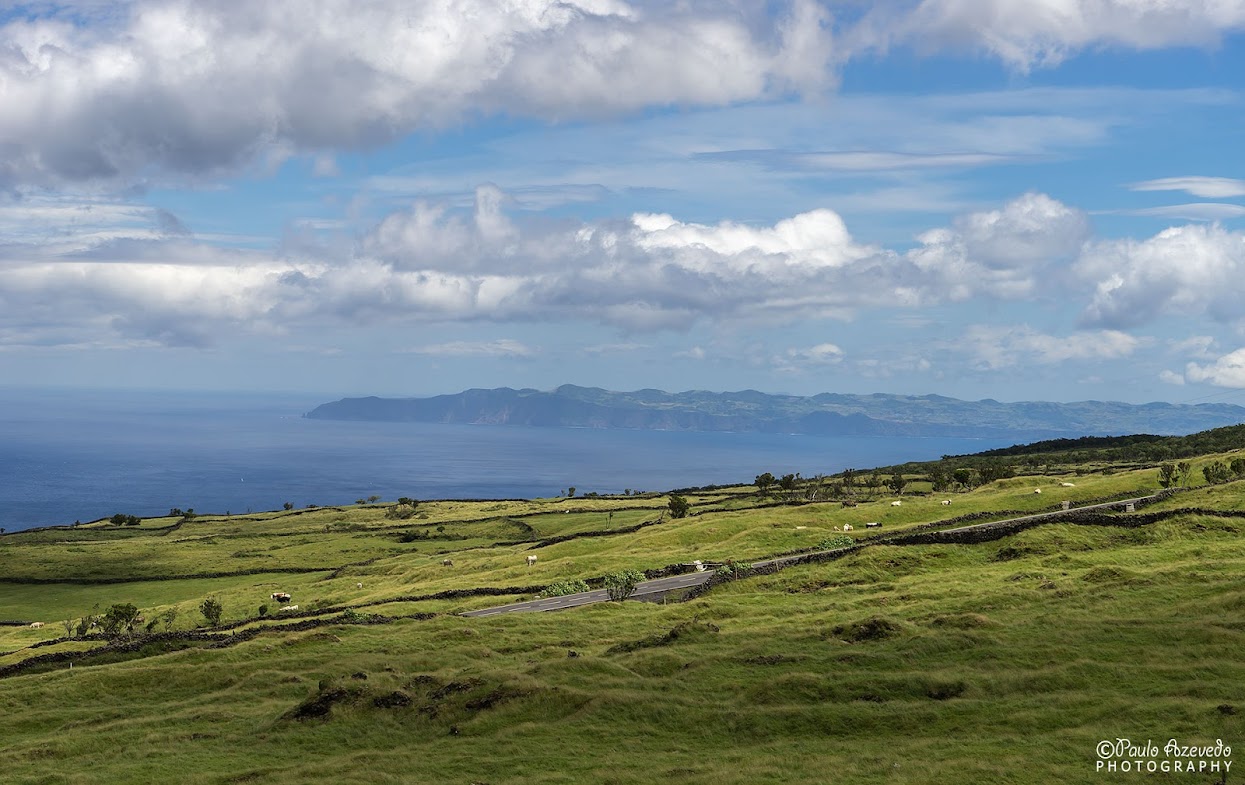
x,y
1002,661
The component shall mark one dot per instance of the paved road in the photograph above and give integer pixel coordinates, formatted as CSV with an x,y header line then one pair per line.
x,y
662,585
647,588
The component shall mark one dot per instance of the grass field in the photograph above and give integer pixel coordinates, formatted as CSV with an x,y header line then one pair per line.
x,y
1003,662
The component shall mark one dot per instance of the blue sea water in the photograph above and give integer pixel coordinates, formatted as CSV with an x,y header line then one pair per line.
x,y
68,455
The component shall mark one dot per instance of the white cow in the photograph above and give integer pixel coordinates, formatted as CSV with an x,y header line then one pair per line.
x,y
847,527
945,502
531,560
1037,490
36,625
896,504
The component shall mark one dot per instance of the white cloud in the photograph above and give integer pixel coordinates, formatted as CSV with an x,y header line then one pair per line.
x,y
1205,187
503,347
874,161
435,264
1171,377
1003,251
1029,33
196,88
996,347
1227,371
1184,271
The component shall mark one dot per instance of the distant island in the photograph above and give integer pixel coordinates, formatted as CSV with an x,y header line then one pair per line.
x,y
826,414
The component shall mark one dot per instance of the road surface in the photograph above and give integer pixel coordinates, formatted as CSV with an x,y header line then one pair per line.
x,y
642,590
688,580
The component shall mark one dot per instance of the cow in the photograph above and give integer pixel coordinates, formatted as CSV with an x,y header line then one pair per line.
x,y
358,585
531,560
847,527
36,625
945,502
873,525
1037,490
447,562
896,503
280,596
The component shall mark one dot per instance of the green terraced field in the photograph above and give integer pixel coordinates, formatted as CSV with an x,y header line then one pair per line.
x,y
1002,662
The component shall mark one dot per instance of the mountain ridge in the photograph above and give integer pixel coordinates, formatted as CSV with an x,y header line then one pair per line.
x,y
824,414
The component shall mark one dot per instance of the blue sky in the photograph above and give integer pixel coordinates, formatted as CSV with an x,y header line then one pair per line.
x,y
1015,199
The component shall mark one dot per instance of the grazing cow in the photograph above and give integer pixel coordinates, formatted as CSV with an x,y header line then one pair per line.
x,y
290,608
280,596
531,560
847,527
1037,490
896,504
1068,484
447,562
945,502
873,525
36,625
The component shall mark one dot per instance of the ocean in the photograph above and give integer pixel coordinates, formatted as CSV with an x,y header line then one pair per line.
x,y
77,455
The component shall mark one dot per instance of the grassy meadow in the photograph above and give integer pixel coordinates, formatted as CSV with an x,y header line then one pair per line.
x,y
1002,662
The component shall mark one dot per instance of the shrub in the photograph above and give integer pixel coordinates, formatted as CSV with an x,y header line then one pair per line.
x,y
400,511
211,610
621,585
835,542
678,506
734,570
263,610
119,618
563,588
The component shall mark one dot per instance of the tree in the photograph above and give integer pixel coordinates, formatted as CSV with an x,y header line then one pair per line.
x,y
373,499
211,610
964,477
763,482
1167,475
787,483
1217,472
621,585
570,492
678,506
1237,466
940,478
896,483
1184,469
288,505
167,618
119,618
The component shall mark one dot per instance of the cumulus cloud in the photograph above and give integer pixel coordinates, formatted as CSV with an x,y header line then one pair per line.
x,y
187,87
1003,347
1029,33
1227,371
1187,271
433,263
1003,251
1205,187
1171,377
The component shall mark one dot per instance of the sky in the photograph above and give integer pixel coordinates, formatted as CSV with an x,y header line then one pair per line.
x,y
1010,199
